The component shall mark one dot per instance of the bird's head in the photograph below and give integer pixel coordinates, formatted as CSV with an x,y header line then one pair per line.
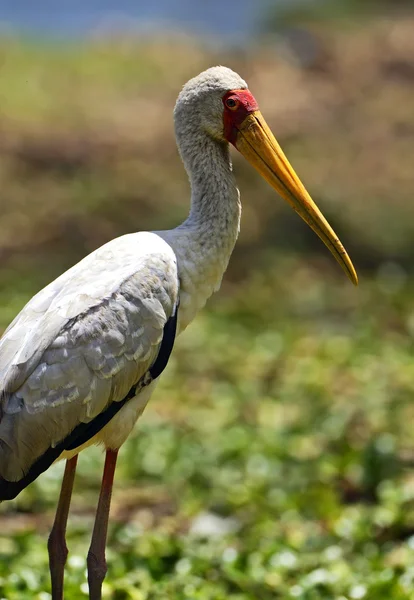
x,y
221,103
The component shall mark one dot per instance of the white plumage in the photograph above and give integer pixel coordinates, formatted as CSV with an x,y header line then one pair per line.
x,y
97,338
81,343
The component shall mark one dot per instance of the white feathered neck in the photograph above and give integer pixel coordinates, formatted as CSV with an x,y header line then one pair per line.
x,y
204,242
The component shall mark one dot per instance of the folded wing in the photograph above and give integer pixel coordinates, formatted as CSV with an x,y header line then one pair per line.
x,y
81,344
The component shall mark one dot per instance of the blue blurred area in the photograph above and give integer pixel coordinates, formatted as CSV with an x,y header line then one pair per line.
x,y
77,17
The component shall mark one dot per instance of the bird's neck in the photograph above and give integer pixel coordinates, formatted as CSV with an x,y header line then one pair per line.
x,y
215,202
204,242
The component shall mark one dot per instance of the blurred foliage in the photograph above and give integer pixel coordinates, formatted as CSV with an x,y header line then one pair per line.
x,y
87,149
275,459
305,11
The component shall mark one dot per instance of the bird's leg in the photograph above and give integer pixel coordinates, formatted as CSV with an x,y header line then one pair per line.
x,y
56,545
96,556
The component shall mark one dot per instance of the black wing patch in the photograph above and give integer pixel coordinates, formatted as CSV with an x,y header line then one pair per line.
x,y
85,431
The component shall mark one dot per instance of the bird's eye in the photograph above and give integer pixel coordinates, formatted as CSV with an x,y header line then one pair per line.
x,y
232,104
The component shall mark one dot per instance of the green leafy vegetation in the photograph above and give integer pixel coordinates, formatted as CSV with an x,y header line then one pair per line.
x,y
275,460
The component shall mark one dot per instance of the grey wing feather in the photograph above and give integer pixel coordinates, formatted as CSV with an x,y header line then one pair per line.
x,y
81,344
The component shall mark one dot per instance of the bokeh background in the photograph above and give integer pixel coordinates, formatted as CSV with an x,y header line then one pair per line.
x,y
276,459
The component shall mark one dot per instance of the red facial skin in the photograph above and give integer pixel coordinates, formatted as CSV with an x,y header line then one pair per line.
x,y
233,117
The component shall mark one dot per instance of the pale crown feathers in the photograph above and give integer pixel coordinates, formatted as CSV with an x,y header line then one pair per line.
x,y
199,105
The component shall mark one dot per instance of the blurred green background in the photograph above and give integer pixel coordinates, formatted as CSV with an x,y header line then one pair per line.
x,y
276,458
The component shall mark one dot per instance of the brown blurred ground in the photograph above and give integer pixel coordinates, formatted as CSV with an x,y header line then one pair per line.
x,y
87,149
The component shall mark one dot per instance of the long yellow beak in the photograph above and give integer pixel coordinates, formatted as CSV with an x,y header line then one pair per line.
x,y
258,145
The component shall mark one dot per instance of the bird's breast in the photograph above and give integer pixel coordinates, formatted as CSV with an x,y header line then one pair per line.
x,y
196,286
202,258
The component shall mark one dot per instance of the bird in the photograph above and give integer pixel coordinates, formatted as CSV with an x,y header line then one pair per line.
x,y
79,363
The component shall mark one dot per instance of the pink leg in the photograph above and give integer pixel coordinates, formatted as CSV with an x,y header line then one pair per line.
x,y
56,545
96,556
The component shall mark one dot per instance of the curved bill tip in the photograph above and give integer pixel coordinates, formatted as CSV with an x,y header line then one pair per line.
x,y
258,145
347,266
